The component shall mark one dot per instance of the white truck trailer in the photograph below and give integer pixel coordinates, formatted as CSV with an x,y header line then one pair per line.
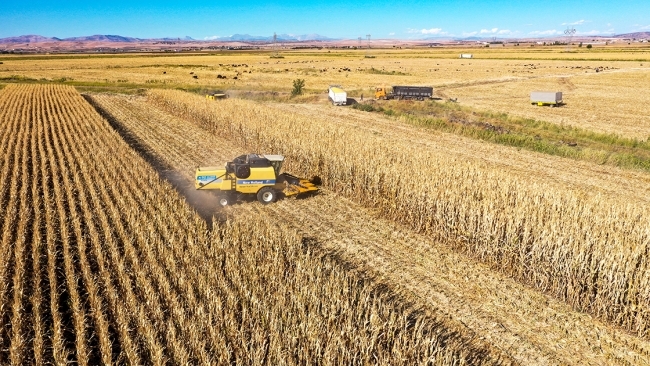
x,y
337,95
541,98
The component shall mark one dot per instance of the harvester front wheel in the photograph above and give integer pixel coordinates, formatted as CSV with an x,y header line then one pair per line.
x,y
267,195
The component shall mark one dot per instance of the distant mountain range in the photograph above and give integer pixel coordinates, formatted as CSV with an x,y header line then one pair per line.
x,y
642,35
637,35
95,38
122,39
233,38
280,37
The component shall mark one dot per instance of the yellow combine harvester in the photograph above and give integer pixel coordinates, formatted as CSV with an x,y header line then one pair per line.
x,y
253,174
213,96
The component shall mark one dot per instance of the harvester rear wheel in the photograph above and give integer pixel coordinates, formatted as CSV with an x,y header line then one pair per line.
x,y
267,195
225,200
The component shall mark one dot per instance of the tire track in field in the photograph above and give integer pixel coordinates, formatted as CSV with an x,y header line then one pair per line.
x,y
531,327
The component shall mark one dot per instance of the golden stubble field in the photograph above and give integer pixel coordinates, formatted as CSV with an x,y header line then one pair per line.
x,y
497,80
610,101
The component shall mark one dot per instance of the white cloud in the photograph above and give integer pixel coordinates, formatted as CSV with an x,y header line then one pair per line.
x,y
645,27
579,22
391,33
593,32
493,31
211,38
489,31
550,32
431,31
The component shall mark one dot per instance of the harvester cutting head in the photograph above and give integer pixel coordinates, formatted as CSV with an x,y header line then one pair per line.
x,y
253,174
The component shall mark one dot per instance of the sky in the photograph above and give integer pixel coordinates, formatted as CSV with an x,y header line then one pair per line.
x,y
334,18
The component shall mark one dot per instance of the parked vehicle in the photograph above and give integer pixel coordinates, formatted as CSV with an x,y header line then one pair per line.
x,y
405,92
337,95
540,98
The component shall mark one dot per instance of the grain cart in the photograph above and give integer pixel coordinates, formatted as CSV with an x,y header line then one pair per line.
x,y
405,92
253,174
540,98
337,95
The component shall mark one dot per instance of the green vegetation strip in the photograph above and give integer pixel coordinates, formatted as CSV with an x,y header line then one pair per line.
x,y
529,134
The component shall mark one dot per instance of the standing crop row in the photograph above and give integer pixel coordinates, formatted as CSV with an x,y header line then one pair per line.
x,y
102,262
590,251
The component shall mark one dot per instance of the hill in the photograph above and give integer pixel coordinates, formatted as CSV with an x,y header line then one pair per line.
x,y
123,39
633,35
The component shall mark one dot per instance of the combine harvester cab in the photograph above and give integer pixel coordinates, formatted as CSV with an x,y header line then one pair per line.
x,y
253,174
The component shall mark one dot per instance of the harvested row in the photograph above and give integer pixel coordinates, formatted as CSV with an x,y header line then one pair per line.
x,y
531,327
588,251
104,263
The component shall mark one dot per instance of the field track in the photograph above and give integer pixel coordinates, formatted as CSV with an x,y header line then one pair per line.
x,y
102,262
530,327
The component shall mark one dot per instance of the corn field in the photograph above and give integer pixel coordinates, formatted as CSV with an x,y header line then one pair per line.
x,y
528,326
102,262
587,250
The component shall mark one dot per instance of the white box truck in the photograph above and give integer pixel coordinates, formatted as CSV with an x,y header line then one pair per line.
x,y
337,95
546,98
